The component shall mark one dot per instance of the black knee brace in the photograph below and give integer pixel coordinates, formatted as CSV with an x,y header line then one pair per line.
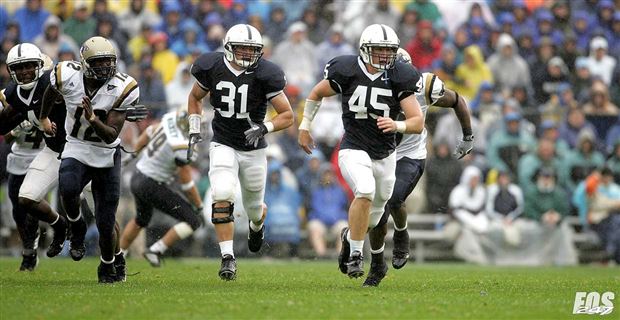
x,y
229,210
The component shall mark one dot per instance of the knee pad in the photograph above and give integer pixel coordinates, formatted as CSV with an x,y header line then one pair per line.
x,y
183,230
223,186
254,178
227,210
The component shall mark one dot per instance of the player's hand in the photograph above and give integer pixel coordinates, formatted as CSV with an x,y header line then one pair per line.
x,y
136,113
464,147
305,141
22,128
198,211
255,133
48,126
89,115
386,125
194,138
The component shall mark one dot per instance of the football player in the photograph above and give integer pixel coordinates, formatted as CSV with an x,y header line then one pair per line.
x,y
22,100
375,87
164,159
96,98
240,84
411,156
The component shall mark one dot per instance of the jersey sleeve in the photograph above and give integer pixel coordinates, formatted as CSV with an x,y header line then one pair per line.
x,y
274,83
334,74
433,88
199,70
129,96
408,81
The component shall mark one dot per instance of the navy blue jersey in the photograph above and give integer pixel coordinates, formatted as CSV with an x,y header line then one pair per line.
x,y
28,106
365,97
237,96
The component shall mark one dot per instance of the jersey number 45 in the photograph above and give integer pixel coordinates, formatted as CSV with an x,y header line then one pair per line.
x,y
357,102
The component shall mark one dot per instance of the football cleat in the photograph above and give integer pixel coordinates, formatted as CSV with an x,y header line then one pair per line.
x,y
60,235
120,266
154,258
376,274
355,266
106,273
228,270
78,232
29,262
343,257
255,239
400,253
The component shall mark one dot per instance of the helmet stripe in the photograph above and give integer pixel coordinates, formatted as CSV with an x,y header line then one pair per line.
x,y
249,32
19,50
384,32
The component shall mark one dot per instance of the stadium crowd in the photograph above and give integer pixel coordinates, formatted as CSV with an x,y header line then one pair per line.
x,y
542,80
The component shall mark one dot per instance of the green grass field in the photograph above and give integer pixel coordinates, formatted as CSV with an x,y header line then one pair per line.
x,y
191,289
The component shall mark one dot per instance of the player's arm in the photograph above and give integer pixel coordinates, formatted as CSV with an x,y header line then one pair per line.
x,y
414,118
322,90
109,130
282,120
9,119
451,99
188,186
49,97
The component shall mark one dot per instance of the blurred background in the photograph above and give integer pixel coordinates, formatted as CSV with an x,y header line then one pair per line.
x,y
541,78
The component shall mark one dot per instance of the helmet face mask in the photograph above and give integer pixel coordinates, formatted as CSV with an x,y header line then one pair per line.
x,y
101,68
243,46
98,59
245,55
382,57
378,46
25,65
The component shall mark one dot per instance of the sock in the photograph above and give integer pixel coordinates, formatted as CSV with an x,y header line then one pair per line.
x,y
120,253
76,219
159,246
226,247
401,229
124,252
55,221
377,255
255,227
355,245
107,262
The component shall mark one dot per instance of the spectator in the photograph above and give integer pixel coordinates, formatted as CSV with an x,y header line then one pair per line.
x,y
277,26
506,20
328,211
582,79
504,199
460,43
427,10
600,63
525,43
135,17
444,131
408,26
66,53
614,45
53,39
468,199
139,45
477,32
556,74
575,122
309,176
283,203
561,15
615,88
296,57
599,104
179,88
547,202
613,162
81,25
105,28
584,159
569,52
333,46
555,108
101,11
171,23
485,105
425,47
471,73
316,27
509,69
445,66
549,131
539,64
523,21
605,12
12,33
295,157
582,27
4,21
31,19
544,157
444,172
381,12
164,60
191,40
508,145
152,92
545,28
216,34
237,13
206,7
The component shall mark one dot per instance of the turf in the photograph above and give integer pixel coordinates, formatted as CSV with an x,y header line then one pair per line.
x,y
190,289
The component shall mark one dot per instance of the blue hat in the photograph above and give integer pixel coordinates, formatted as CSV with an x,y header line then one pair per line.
x,y
190,25
518,4
506,17
212,18
581,62
171,6
544,15
512,116
616,16
486,86
605,4
581,15
476,22
548,124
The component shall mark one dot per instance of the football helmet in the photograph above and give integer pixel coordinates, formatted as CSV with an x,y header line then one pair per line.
x,y
26,76
98,58
379,36
403,55
240,37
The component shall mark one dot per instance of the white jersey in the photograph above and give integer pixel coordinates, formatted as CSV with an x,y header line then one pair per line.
x,y
25,147
117,93
166,150
413,146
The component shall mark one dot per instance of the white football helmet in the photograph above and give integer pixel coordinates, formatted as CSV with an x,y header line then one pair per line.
x,y
379,35
25,53
403,55
243,35
97,48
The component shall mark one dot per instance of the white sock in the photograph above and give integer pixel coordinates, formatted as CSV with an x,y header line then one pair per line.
x,y
57,218
107,262
159,246
378,250
120,252
226,247
124,252
255,227
76,219
401,229
355,245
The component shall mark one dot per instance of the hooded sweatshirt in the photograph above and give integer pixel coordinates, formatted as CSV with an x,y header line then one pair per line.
x,y
466,198
509,71
472,76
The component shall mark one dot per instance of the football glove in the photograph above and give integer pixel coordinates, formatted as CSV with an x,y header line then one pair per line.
x,y
464,147
256,131
136,113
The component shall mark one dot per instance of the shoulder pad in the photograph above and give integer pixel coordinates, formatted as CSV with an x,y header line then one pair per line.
x,y
342,65
207,61
432,88
63,72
